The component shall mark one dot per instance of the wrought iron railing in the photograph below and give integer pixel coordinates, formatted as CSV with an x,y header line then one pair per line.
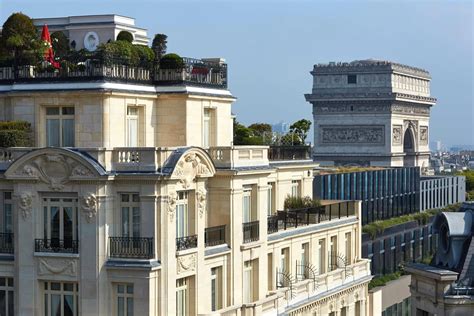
x,y
131,247
6,243
251,231
199,72
187,242
57,245
214,236
289,152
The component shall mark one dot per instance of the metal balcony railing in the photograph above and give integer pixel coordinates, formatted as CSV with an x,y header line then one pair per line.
x,y
289,152
6,243
131,247
57,245
214,236
187,242
251,231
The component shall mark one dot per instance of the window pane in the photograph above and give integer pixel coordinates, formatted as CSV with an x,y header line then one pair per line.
x,y
68,305
68,111
125,222
52,111
120,306
132,136
136,222
54,223
10,303
67,227
55,305
2,302
52,132
130,289
68,133
129,306
120,288
8,218
69,287
136,198
125,197
56,286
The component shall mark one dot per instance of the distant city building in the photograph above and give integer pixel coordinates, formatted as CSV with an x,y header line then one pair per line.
x,y
371,113
88,31
281,127
446,286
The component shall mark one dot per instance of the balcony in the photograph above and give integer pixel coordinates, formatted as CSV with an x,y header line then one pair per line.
x,y
295,218
214,236
131,247
57,245
289,152
187,242
239,156
6,243
251,231
210,72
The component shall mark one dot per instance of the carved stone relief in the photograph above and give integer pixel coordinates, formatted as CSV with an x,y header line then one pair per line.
x,y
186,263
172,197
353,134
89,206
397,135
201,197
57,266
189,168
424,135
25,204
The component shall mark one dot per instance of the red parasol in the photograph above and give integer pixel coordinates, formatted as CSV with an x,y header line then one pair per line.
x,y
48,53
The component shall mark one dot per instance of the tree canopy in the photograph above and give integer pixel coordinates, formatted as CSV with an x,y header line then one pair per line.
x,y
260,129
159,45
301,128
125,36
60,44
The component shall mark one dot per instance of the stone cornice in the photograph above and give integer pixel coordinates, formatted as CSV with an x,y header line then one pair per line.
x,y
313,97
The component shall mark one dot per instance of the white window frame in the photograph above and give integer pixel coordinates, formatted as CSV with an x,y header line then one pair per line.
x,y
182,296
248,282
61,203
216,288
348,246
333,252
7,286
61,118
270,198
130,205
206,128
295,188
321,256
247,201
133,140
48,293
182,214
124,292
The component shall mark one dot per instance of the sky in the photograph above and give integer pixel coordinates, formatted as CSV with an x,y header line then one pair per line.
x,y
271,46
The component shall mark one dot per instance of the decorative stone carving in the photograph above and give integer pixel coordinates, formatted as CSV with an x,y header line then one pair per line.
x,y
57,266
186,263
413,125
189,168
350,134
53,169
89,206
172,197
424,135
201,197
410,109
25,203
397,135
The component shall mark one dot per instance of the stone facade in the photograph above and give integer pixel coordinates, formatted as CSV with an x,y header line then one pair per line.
x,y
371,113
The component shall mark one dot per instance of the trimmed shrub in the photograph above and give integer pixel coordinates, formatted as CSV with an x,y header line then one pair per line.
x,y
15,134
145,55
125,36
297,202
60,44
171,61
159,45
20,39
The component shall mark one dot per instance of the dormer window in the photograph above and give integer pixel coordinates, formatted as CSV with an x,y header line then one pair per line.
x,y
352,79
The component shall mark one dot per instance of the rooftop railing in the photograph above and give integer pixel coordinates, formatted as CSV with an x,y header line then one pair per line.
x,y
289,152
211,72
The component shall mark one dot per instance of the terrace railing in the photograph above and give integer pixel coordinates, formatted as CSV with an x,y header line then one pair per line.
x,y
57,245
131,247
6,243
289,152
214,236
187,242
251,231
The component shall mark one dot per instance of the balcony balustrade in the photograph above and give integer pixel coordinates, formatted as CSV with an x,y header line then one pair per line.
x,y
187,242
6,243
294,218
131,247
57,245
251,231
214,236
289,152
198,72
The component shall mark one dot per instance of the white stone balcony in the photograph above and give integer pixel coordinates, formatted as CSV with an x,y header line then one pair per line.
x,y
239,156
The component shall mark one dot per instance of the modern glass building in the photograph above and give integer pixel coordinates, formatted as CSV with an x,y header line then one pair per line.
x,y
384,193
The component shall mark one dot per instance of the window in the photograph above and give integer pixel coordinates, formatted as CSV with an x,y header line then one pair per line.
x,y
295,188
124,299
61,299
247,205
248,282
206,129
321,256
270,271
182,298
352,79
6,296
182,215
270,198
304,260
60,126
333,253
132,127
216,288
348,248
60,221
7,213
130,214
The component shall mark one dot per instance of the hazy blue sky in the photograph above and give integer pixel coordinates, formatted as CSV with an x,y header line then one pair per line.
x,y
271,46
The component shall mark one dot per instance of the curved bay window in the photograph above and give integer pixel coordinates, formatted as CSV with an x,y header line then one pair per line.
x,y
60,220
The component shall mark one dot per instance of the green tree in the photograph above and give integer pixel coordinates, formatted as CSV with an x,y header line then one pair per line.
x,y
260,129
20,39
301,128
125,36
60,44
159,45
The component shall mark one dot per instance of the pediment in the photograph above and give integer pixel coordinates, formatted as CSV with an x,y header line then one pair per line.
x,y
194,163
54,166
